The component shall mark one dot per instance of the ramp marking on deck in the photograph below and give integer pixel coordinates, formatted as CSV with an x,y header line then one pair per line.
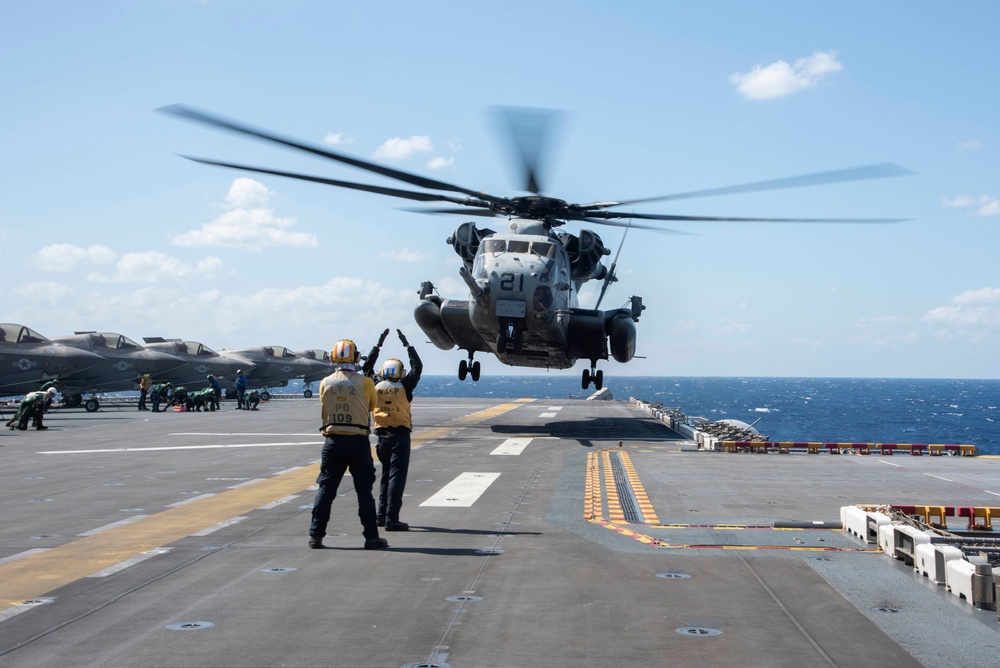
x,y
593,512
463,491
31,574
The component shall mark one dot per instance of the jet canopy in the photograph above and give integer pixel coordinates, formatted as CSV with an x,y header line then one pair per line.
x,y
11,333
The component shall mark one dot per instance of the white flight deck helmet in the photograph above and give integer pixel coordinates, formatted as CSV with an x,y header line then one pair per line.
x,y
392,369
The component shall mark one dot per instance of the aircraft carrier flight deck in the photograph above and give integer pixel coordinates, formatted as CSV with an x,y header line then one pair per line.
x,y
542,533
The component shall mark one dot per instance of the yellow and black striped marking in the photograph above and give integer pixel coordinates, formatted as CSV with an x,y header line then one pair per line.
x,y
595,494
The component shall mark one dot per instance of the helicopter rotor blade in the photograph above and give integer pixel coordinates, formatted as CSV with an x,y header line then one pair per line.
x,y
192,114
652,228
736,219
472,211
611,277
864,173
381,190
529,131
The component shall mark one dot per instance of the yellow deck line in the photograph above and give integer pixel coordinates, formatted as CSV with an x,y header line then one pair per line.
x,y
593,505
37,574
645,507
615,513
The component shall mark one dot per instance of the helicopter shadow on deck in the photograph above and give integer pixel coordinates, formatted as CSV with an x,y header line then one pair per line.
x,y
588,432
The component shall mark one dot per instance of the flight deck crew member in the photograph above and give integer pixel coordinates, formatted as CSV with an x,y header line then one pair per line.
x,y
346,401
240,383
216,392
32,408
144,384
393,424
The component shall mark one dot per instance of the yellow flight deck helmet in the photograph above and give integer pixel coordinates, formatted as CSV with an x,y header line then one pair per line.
x,y
392,369
344,352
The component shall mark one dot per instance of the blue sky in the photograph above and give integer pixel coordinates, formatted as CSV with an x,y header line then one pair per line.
x,y
103,227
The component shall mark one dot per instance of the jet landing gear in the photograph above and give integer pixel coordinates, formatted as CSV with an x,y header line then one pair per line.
x,y
595,376
469,368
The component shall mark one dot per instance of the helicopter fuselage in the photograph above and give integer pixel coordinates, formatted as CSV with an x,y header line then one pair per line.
x,y
523,306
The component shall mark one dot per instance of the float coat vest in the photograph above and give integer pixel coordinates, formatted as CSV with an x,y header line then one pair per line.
x,y
346,399
393,408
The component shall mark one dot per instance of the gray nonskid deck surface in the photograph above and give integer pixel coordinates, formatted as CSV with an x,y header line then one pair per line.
x,y
517,578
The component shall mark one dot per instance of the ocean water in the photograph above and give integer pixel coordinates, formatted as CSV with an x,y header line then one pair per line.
x,y
887,410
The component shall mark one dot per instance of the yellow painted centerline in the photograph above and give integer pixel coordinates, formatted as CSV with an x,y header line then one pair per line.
x,y
40,573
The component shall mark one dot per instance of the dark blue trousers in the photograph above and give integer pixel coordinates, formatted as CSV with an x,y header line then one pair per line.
x,y
342,454
394,452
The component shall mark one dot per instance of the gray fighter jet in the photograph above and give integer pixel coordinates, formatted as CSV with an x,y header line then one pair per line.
x,y
315,355
28,359
273,366
200,362
123,361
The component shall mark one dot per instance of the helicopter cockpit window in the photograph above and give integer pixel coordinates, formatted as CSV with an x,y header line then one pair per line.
x,y
543,249
517,246
495,246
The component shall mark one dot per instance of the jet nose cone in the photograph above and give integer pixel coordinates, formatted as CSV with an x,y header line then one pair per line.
x,y
311,367
161,362
76,360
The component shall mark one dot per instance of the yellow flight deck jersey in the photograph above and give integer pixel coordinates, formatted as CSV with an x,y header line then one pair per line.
x,y
347,398
393,408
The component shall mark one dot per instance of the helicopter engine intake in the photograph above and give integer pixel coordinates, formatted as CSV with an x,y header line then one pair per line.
x,y
466,240
585,253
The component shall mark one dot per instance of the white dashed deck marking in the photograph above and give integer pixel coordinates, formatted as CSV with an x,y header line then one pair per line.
x,y
512,446
463,491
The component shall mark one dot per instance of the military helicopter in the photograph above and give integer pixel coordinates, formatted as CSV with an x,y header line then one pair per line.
x,y
525,281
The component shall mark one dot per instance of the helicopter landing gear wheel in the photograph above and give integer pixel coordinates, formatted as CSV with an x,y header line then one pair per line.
x,y
92,405
463,370
595,376
474,371
518,342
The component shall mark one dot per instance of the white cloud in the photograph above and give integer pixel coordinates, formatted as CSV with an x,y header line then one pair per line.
x,y
984,205
67,257
973,312
398,148
155,267
780,79
404,255
337,139
971,144
44,292
250,224
440,162
246,193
